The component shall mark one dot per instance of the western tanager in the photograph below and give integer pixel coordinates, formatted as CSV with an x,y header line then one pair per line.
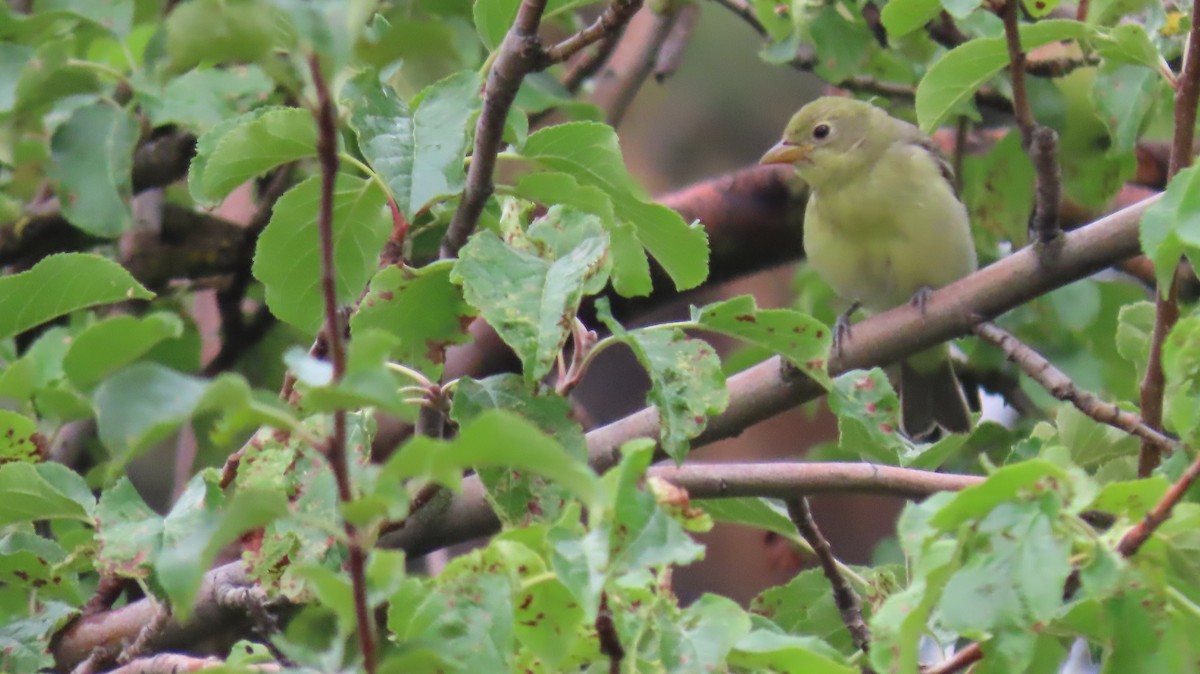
x,y
883,225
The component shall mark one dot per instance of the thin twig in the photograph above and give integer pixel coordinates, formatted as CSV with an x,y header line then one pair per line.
x,y
958,662
1058,384
336,450
581,69
518,55
1133,539
611,21
618,92
1044,153
606,632
670,55
1016,61
844,596
1166,300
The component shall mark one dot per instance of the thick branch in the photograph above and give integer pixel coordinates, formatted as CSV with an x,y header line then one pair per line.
x,y
765,390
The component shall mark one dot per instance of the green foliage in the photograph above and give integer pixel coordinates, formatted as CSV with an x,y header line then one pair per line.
x,y
98,98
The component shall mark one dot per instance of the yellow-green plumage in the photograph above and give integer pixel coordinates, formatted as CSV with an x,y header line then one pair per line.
x,y
883,222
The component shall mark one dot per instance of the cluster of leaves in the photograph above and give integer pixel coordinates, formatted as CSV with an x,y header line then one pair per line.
x,y
570,224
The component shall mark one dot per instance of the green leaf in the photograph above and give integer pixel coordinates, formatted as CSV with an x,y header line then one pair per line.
x,y
221,31
421,307
518,496
706,631
202,522
39,567
1039,8
976,501
589,152
467,621
206,144
13,58
960,72
129,532
1135,324
31,492
687,384
799,338
867,410
1171,227
419,154
367,382
288,257
1182,368
760,513
998,191
26,641
1015,581
92,161
145,402
1124,97
113,343
630,268
113,15
901,17
805,604
531,298
762,650
60,284
641,533
201,99
493,17
54,74
261,142
501,439
1128,43
19,438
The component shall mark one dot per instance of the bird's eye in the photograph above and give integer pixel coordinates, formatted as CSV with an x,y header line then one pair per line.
x,y
821,131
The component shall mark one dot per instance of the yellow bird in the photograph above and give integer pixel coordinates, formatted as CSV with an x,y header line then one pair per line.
x,y
883,226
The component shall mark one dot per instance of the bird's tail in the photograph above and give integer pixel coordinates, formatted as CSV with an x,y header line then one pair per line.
x,y
931,395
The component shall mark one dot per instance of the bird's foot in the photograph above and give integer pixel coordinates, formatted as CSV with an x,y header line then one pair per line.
x,y
841,328
921,298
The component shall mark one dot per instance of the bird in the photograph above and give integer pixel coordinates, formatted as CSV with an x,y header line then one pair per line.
x,y
883,226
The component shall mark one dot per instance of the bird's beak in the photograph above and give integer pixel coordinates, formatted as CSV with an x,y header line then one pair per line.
x,y
784,152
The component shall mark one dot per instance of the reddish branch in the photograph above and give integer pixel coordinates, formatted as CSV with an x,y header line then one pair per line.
x,y
336,451
844,597
1059,385
1133,539
1166,300
606,633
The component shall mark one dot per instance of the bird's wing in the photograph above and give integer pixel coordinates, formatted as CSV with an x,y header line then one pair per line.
x,y
925,143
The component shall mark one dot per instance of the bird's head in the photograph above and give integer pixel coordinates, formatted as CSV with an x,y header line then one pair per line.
x,y
829,138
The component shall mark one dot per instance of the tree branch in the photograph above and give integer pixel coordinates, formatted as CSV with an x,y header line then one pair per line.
x,y
1059,385
1133,539
327,154
1166,300
520,53
844,596
610,22
1044,154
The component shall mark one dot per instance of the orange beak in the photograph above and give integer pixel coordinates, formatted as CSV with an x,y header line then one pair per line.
x,y
784,152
